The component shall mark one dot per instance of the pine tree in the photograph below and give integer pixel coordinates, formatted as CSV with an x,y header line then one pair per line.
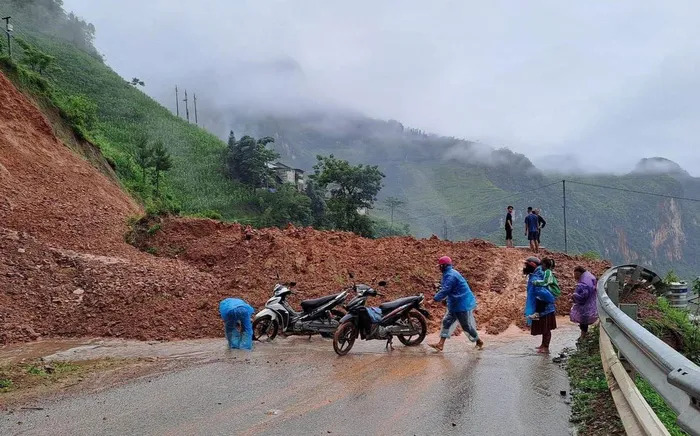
x,y
161,161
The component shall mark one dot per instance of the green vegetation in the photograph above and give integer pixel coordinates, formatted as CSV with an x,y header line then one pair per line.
x,y
666,415
351,189
5,384
248,161
591,255
675,327
671,277
116,116
593,409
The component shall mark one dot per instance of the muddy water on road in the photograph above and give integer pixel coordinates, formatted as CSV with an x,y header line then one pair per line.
x,y
296,386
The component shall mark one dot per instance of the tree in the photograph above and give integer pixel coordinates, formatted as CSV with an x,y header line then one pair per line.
x,y
144,157
137,82
319,209
286,205
248,160
34,58
352,189
161,161
393,203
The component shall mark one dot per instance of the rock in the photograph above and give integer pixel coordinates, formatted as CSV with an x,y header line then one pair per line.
x,y
172,329
21,250
78,291
273,412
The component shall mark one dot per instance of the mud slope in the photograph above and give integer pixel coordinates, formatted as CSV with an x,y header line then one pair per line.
x,y
247,262
47,190
65,269
64,266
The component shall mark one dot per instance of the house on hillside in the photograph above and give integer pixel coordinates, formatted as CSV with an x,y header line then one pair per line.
x,y
286,174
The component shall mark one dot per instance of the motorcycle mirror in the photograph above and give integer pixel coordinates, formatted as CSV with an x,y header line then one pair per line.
x,y
382,283
351,275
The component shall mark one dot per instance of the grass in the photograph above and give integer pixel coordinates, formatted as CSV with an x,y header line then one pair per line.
x,y
593,409
124,114
676,322
666,415
24,377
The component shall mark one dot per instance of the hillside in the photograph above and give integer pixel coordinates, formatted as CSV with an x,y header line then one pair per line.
x,y
66,270
452,188
463,187
124,114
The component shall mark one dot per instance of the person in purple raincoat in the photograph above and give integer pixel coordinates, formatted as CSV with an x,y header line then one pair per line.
x,y
584,311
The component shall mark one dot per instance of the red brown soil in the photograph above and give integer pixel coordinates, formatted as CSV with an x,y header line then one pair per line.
x,y
65,269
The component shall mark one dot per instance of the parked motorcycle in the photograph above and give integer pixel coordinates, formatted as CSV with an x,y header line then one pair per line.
x,y
317,316
403,318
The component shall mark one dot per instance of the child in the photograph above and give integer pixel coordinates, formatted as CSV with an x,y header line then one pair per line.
x,y
549,282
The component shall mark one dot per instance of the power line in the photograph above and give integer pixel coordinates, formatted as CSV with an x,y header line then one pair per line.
x,y
633,191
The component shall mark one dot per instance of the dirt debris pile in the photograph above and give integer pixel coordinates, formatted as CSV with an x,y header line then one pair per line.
x,y
66,270
248,262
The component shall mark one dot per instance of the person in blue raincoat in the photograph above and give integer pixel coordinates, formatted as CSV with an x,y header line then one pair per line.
x,y
460,304
236,314
539,305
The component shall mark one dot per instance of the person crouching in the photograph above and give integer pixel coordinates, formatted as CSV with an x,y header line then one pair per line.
x,y
460,304
236,315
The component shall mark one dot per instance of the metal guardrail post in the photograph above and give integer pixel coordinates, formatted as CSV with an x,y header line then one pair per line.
x,y
674,377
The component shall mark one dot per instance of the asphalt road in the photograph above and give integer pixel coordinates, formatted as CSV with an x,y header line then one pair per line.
x,y
295,386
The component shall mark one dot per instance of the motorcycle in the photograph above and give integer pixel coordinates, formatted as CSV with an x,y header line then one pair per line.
x,y
317,316
403,318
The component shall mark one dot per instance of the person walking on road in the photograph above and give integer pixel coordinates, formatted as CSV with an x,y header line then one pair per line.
x,y
532,227
540,225
539,305
460,304
236,315
509,227
584,311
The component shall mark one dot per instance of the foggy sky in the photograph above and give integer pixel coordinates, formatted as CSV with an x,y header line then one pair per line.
x,y
586,85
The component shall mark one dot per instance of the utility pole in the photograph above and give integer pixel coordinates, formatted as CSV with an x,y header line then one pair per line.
x,y
177,102
195,110
187,107
566,242
444,229
8,30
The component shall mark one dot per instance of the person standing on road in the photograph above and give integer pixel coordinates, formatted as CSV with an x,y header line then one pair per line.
x,y
509,227
460,304
236,315
584,311
532,227
539,305
540,225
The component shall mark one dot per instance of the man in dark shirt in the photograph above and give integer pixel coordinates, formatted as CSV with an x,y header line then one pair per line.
x,y
509,227
532,227
541,223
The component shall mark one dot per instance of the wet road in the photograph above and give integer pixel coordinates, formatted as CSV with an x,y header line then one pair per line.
x,y
299,387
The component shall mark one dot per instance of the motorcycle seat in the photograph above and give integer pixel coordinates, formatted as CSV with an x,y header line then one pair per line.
x,y
391,305
309,305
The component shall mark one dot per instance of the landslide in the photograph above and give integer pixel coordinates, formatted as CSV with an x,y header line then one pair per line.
x,y
64,266
247,262
66,270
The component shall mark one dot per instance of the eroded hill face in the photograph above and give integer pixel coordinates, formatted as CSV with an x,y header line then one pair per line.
x,y
65,269
50,192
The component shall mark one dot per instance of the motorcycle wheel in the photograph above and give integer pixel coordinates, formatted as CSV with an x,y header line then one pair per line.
x,y
417,321
344,338
265,329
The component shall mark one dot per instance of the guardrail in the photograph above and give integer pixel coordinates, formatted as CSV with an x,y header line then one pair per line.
x,y
673,376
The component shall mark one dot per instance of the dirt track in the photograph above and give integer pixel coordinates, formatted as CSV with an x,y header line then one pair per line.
x,y
65,269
